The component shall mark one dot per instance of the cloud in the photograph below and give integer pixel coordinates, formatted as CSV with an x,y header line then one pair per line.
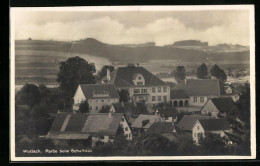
x,y
165,30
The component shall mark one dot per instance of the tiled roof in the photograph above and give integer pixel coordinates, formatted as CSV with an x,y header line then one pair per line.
x,y
90,90
161,128
138,123
214,124
179,94
224,104
79,125
188,121
168,112
122,77
199,87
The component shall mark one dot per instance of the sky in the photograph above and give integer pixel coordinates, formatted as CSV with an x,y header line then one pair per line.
x,y
134,27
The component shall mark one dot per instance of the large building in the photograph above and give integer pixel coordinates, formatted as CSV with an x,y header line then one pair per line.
x,y
196,92
97,95
95,127
141,84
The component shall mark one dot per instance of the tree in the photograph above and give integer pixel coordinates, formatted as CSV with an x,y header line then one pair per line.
x,y
123,95
73,72
28,95
218,73
202,71
84,107
180,73
105,109
103,71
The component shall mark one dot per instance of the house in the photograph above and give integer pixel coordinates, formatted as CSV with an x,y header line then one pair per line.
x,y
215,126
160,128
196,92
130,110
142,85
219,106
97,95
96,127
168,114
144,122
187,122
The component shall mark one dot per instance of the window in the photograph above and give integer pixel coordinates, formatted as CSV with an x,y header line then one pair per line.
x,y
139,78
164,89
164,98
126,129
136,90
96,107
194,99
198,127
102,100
159,98
144,90
153,90
195,134
201,99
96,101
129,135
153,98
166,118
139,83
126,135
159,89
111,137
101,137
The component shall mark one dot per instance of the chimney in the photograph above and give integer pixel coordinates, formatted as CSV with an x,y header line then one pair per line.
x,y
185,80
122,103
108,74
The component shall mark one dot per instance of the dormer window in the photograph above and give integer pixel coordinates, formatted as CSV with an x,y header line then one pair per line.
x,y
138,79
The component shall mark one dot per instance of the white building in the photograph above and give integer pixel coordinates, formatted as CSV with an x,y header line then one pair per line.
x,y
215,126
97,95
141,84
196,92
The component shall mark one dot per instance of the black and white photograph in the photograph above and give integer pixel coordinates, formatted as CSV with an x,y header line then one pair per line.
x,y
132,83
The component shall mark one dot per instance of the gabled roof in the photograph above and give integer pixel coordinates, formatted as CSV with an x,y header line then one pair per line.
x,y
199,87
127,108
224,104
168,112
138,123
122,77
214,124
187,121
159,128
90,90
82,125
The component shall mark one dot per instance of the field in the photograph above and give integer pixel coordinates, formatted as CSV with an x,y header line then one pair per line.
x,y
38,62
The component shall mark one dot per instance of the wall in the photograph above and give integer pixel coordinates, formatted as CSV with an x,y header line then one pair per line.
x,y
196,130
101,102
128,132
198,102
79,96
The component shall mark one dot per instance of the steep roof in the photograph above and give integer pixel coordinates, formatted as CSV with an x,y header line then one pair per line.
x,y
138,123
122,77
161,128
168,111
214,124
82,125
188,121
90,90
224,104
199,87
